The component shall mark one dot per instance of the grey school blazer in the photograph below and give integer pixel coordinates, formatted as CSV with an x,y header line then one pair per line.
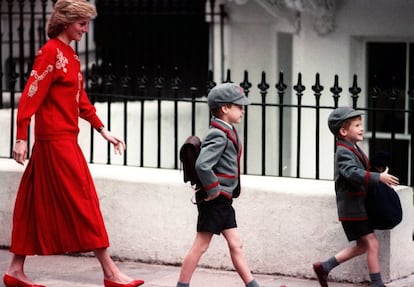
x,y
352,177
217,166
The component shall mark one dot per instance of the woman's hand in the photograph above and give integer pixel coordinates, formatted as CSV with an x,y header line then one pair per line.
x,y
20,151
119,144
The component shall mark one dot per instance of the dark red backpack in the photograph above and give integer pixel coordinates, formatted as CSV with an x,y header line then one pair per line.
x,y
189,152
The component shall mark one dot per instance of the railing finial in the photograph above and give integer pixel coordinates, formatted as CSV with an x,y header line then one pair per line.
x,y
336,90
355,90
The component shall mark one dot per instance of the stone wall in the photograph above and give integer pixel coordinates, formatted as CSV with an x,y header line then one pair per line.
x,y
286,224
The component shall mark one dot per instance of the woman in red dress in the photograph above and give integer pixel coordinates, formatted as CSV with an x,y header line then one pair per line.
x,y
57,209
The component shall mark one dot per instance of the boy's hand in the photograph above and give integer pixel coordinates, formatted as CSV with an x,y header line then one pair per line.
x,y
388,179
213,196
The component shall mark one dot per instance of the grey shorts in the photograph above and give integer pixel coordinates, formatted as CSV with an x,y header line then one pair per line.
x,y
216,215
356,229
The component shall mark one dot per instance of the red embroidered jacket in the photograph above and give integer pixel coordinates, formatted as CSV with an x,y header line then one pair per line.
x,y
55,94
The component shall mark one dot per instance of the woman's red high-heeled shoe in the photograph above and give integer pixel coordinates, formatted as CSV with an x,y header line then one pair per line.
x,y
134,283
10,281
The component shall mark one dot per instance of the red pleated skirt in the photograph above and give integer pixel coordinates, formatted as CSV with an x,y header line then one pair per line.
x,y
57,209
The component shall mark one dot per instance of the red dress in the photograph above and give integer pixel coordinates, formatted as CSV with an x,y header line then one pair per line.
x,y
57,208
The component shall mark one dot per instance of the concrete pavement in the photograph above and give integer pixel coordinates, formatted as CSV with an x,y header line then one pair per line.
x,y
84,271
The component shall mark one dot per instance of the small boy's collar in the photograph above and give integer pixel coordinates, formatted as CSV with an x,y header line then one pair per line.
x,y
224,122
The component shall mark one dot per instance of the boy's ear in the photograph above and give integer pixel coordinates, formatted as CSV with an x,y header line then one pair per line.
x,y
342,132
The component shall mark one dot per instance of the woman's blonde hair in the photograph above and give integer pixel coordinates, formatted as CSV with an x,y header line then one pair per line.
x,y
67,12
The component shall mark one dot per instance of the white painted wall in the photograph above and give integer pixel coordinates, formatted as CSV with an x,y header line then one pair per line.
x,y
252,150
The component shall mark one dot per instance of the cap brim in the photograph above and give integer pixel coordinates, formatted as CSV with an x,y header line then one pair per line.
x,y
243,101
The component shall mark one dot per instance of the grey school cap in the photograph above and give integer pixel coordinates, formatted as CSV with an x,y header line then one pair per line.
x,y
226,93
339,115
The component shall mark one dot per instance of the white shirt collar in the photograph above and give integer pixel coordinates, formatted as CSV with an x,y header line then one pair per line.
x,y
224,122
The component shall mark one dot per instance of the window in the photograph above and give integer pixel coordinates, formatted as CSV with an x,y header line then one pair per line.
x,y
389,68
158,35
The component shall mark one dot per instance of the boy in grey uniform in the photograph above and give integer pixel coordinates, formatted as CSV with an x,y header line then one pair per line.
x,y
218,168
352,177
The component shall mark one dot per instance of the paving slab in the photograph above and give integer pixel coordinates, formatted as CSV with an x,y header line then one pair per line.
x,y
85,271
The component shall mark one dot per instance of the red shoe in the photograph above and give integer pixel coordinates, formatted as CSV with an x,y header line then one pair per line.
x,y
10,281
321,274
134,283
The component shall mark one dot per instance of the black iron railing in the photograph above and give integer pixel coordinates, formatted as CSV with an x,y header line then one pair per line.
x,y
276,125
272,134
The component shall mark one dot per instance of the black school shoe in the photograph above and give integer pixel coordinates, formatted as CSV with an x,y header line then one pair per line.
x,y
321,274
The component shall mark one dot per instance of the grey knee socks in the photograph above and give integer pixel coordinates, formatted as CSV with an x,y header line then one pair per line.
x,y
376,280
253,283
329,264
